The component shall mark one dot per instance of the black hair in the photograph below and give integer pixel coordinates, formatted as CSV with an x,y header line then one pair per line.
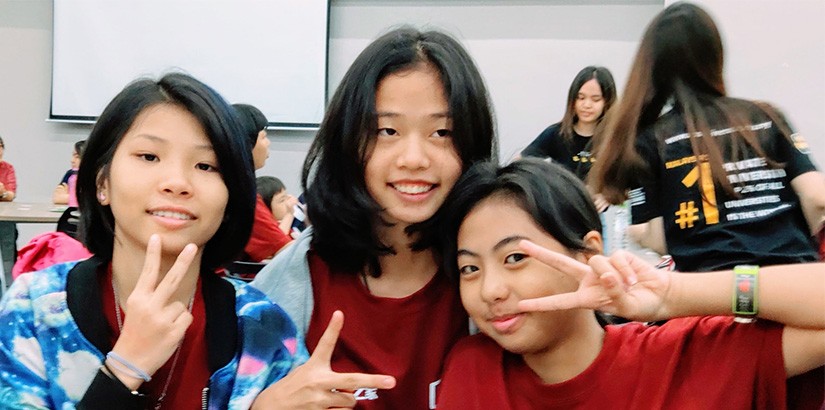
x,y
218,119
608,86
554,197
253,121
268,187
79,146
341,209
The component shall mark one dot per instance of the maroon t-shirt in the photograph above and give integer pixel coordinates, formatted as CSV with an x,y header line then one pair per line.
x,y
690,363
407,338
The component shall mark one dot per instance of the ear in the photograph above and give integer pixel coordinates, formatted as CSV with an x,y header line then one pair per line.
x,y
593,241
103,190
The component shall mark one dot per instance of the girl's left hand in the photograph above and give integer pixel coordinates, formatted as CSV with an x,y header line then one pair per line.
x,y
621,285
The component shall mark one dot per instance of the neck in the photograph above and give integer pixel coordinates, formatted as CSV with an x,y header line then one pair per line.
x,y
568,357
585,129
127,266
404,272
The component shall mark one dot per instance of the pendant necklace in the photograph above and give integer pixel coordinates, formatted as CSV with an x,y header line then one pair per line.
x,y
177,350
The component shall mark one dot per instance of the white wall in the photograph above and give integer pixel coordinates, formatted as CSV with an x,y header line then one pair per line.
x,y
528,51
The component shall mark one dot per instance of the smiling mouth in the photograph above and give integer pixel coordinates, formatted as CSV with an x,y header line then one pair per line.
x,y
413,189
172,215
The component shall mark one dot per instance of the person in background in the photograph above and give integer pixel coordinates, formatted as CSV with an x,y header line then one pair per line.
x,y
570,142
749,194
167,191
8,230
8,180
524,244
411,114
267,238
712,180
280,203
64,193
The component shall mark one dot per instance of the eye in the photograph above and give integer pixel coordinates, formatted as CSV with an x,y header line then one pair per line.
x,y
203,166
148,157
467,269
443,133
387,131
515,258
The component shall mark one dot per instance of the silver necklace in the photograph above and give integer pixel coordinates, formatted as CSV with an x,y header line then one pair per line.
x,y
177,349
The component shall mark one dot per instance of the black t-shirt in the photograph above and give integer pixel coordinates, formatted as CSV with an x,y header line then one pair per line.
x,y
574,155
763,226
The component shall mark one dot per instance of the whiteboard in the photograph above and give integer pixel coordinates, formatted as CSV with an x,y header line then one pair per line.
x,y
268,53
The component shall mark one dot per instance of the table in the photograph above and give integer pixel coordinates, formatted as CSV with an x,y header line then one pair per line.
x,y
27,212
22,212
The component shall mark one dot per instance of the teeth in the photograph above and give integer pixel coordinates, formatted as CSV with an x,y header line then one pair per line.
x,y
413,189
173,215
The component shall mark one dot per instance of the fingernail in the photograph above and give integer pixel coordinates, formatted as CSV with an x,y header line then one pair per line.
x,y
388,382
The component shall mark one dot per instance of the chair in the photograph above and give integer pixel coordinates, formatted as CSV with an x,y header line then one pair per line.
x,y
244,271
68,222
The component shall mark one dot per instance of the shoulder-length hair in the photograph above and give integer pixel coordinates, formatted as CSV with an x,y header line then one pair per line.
x,y
554,197
218,119
605,80
341,209
679,61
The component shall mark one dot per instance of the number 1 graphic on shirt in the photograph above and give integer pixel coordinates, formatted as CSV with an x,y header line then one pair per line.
x,y
709,208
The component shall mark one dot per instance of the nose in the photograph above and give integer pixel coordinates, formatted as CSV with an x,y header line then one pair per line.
x,y
493,287
413,153
176,181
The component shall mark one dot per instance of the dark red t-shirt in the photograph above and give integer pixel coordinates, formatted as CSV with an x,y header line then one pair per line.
x,y
407,338
690,363
266,238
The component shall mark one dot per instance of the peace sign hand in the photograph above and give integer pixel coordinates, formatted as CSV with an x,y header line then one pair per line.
x,y
314,385
155,323
621,285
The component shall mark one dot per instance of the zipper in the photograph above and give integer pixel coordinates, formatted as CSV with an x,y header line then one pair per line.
x,y
205,398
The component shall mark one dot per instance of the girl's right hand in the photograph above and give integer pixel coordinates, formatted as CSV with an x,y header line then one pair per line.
x,y
622,285
155,323
314,385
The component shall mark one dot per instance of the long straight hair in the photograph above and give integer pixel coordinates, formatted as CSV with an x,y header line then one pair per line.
x,y
679,61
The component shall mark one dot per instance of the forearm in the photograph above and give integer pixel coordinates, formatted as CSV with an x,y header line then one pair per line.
x,y
789,294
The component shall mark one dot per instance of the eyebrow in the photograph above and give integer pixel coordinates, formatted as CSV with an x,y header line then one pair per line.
x,y
155,138
500,244
385,114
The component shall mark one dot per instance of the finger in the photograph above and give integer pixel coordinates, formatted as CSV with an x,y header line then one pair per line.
x,y
622,263
171,281
326,344
148,278
340,400
355,381
561,301
561,262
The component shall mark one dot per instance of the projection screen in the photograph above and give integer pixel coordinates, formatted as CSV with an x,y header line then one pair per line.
x,y
268,53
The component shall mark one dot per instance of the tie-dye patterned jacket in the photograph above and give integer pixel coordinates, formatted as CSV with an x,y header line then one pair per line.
x,y
53,338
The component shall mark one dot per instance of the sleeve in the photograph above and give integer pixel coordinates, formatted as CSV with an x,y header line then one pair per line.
x,y
644,204
106,390
267,238
65,179
23,381
11,184
794,152
542,145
